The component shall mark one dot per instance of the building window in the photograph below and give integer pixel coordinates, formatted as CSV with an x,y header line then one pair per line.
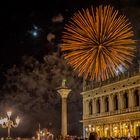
x,y
98,106
106,104
136,98
125,99
115,102
90,107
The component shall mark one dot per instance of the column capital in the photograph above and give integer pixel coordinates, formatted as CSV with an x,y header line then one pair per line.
x,y
64,92
111,96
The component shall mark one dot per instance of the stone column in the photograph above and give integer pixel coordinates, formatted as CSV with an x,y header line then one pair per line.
x,y
120,129
139,65
64,91
103,131
84,108
94,106
110,128
131,128
110,103
139,95
102,104
130,98
120,101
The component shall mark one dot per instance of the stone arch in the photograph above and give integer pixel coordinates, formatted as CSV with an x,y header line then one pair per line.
x,y
125,100
136,98
107,104
90,106
115,102
98,108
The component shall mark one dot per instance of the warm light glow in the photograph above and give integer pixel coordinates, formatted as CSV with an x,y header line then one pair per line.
x,y
5,120
115,128
95,44
86,129
9,113
106,128
89,125
17,120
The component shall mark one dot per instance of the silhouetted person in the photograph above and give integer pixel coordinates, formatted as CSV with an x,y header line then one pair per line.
x,y
93,136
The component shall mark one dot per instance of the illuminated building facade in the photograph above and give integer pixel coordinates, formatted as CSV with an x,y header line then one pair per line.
x,y
113,108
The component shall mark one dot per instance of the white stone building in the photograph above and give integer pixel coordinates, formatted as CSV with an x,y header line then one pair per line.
x,y
113,108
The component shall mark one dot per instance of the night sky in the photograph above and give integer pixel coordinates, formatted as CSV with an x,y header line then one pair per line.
x,y
18,19
34,29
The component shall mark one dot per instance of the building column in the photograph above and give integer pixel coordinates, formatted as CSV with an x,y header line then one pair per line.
x,y
120,101
130,98
139,95
102,104
110,128
87,107
94,106
103,131
110,103
84,107
139,65
121,130
64,91
131,128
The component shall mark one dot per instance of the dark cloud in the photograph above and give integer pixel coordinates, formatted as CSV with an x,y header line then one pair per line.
x,y
30,92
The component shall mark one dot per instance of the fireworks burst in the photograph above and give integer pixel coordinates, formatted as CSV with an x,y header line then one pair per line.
x,y
96,44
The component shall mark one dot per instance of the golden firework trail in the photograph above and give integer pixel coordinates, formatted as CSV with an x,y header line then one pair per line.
x,y
96,43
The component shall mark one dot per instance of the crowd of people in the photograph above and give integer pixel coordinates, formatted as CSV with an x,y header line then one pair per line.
x,y
94,136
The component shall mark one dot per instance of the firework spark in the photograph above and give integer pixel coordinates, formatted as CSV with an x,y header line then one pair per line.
x,y
96,44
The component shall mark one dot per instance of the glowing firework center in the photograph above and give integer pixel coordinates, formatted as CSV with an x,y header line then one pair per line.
x,y
95,44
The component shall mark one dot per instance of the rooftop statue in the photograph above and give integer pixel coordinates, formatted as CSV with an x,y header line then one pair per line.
x,y
64,83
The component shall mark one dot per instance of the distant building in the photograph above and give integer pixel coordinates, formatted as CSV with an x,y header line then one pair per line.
x,y
112,108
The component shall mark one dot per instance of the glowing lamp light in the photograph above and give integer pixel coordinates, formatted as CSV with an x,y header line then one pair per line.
x,y
8,123
89,125
86,129
5,120
106,128
9,113
115,128
17,120
93,129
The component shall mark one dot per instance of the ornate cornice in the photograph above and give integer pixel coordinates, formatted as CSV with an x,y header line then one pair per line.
x,y
114,119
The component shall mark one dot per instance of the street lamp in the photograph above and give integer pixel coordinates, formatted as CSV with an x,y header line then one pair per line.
x,y
8,123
